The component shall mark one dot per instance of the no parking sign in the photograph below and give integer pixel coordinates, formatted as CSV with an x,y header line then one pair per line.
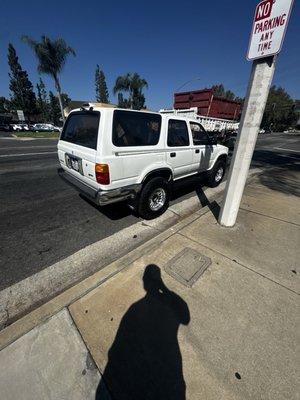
x,y
269,26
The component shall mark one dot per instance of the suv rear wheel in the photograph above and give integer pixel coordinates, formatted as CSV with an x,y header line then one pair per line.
x,y
216,176
154,198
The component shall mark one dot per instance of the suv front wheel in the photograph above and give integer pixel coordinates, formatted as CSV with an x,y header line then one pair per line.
x,y
154,198
216,176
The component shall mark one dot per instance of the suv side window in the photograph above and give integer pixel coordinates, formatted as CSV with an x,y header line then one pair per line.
x,y
200,137
132,128
178,134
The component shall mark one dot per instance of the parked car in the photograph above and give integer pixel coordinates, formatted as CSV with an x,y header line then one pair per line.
x,y
5,128
53,128
45,128
20,127
227,138
111,155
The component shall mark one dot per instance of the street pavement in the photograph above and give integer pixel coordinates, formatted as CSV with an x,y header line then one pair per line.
x,y
43,220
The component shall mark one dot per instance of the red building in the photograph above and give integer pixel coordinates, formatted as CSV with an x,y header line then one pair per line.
x,y
207,104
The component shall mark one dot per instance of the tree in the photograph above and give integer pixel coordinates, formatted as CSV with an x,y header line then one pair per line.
x,y
133,84
219,91
229,95
52,56
123,103
42,101
280,111
54,107
5,105
100,85
22,94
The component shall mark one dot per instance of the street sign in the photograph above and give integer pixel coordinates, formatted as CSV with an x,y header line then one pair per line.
x,y
269,26
21,115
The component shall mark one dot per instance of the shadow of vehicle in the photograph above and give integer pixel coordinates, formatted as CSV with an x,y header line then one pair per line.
x,y
113,211
144,361
187,186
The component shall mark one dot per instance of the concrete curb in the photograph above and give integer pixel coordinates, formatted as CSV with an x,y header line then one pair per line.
x,y
64,299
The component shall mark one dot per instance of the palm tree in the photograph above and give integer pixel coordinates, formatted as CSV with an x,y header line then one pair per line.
x,y
133,84
52,56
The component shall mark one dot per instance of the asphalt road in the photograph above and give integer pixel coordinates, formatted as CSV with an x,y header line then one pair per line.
x,y
43,220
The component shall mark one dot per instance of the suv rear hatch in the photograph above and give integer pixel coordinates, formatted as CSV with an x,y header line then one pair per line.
x,y
77,146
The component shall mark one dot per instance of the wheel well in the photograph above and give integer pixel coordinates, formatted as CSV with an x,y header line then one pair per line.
x,y
163,173
222,157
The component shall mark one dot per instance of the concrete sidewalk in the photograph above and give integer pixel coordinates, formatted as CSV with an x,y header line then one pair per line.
x,y
201,312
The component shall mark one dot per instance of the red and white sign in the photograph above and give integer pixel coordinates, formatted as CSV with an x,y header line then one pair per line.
x,y
270,22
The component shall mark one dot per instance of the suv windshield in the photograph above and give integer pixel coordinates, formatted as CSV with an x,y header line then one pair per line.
x,y
82,128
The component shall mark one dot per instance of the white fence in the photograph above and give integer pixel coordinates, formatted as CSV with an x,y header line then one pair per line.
x,y
209,123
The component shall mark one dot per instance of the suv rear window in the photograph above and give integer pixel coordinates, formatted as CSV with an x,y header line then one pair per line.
x,y
82,128
135,128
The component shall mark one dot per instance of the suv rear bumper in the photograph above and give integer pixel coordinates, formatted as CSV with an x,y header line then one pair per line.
x,y
101,197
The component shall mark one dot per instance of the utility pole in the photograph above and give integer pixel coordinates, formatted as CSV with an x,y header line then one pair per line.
x,y
256,98
268,30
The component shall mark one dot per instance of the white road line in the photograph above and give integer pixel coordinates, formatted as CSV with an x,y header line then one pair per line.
x,y
283,148
27,154
27,147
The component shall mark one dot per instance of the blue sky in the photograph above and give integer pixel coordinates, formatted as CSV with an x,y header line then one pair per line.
x,y
166,42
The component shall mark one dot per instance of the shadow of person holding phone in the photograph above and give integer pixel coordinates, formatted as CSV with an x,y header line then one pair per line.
x,y
144,361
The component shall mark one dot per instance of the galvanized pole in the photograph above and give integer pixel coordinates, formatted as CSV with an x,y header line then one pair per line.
x,y
255,102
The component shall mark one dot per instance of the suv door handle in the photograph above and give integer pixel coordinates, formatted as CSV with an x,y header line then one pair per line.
x,y
172,154
197,151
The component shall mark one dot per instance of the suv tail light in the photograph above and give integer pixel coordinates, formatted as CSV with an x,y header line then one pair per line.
x,y
102,174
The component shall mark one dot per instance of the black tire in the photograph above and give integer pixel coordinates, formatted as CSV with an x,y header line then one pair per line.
x,y
155,188
216,176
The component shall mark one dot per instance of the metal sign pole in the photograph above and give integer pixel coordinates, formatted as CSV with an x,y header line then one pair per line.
x,y
255,102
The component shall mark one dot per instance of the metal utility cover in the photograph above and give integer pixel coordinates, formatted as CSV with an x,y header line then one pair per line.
x,y
187,266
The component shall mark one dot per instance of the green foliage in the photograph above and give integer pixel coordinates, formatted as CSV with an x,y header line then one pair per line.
x,y
229,95
52,56
123,103
5,105
42,101
280,111
219,91
54,107
100,86
22,94
134,85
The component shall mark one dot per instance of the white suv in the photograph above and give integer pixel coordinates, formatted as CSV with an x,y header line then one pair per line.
x,y
112,154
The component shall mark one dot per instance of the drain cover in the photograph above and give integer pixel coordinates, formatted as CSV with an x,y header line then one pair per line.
x,y
187,266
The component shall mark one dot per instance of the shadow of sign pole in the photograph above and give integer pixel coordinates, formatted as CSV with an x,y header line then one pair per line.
x,y
269,26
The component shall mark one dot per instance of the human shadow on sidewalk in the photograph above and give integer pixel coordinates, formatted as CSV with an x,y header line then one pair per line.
x,y
144,361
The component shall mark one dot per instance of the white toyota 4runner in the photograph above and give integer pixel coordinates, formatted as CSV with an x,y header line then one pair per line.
x,y
112,154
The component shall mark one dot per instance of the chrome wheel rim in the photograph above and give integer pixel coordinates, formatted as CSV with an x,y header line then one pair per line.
x,y
219,174
157,199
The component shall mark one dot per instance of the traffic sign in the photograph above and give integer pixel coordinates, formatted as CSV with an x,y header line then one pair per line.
x,y
269,26
20,114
